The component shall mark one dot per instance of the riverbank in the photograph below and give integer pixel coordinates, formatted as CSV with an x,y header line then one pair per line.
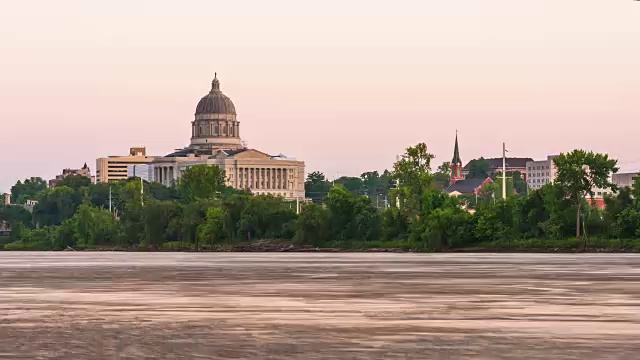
x,y
269,246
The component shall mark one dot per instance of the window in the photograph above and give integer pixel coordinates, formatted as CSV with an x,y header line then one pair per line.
x,y
599,193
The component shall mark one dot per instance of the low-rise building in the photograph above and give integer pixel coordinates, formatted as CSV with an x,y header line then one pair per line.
x,y
511,164
468,186
143,171
458,184
5,228
625,179
84,171
540,173
116,168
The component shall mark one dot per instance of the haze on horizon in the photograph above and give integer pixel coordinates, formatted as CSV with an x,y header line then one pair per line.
x,y
344,86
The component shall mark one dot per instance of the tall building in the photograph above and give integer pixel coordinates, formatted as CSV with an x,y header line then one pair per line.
x,y
541,172
215,140
84,171
456,164
115,168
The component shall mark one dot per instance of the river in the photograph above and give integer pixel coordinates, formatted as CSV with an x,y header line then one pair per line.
x,y
318,306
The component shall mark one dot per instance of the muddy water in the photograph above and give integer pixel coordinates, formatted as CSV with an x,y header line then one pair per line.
x,y
318,306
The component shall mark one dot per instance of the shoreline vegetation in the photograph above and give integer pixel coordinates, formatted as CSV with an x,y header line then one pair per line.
x,y
271,246
406,209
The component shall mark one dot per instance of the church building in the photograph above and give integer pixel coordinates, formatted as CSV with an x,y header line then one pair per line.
x,y
459,185
215,140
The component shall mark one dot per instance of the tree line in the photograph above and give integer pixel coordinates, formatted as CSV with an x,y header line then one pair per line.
x,y
200,211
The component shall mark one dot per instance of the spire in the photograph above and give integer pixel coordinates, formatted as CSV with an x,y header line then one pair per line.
x,y
215,84
85,166
456,153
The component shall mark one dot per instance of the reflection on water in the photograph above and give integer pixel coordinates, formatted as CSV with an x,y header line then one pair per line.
x,y
318,306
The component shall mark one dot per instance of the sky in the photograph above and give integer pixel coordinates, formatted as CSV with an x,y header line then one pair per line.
x,y
345,85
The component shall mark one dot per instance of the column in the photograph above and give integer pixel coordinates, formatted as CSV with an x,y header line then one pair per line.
x,y
285,183
273,178
267,175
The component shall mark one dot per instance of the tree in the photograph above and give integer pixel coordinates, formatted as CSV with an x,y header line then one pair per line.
x,y
74,181
56,205
413,173
442,177
353,184
201,182
579,172
96,226
313,226
478,168
29,190
352,217
515,183
159,219
266,216
214,226
316,186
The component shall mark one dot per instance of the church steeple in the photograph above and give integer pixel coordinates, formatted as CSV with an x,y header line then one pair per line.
x,y
456,153
456,163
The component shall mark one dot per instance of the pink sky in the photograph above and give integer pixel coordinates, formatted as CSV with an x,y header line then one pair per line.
x,y
343,85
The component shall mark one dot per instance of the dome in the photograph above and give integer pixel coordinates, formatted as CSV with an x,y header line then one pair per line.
x,y
215,102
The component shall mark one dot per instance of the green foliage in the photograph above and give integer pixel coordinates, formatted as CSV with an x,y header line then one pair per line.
x,y
201,182
442,178
215,225
56,205
316,186
266,216
515,183
27,190
579,172
17,217
352,217
413,173
96,227
478,169
161,222
314,225
201,212
75,181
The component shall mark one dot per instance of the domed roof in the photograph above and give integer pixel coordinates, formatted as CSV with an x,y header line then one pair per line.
x,y
215,102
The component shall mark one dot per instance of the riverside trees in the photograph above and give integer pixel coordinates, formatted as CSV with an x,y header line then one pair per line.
x,y
201,211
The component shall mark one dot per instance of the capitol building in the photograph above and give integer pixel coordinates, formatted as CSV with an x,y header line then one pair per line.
x,y
215,140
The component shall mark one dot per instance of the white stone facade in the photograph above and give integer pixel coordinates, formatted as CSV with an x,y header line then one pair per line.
x,y
215,141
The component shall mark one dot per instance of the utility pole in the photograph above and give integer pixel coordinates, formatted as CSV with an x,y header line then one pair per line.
x,y
110,201
504,171
141,191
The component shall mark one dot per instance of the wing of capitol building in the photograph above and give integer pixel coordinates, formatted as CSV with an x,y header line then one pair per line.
x,y
215,140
